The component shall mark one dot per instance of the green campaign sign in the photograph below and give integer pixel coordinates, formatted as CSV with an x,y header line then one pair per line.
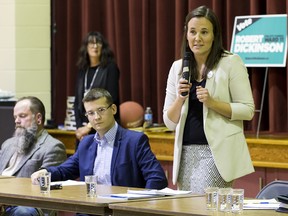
x,y
261,41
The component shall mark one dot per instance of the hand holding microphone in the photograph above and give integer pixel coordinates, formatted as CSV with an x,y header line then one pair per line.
x,y
186,73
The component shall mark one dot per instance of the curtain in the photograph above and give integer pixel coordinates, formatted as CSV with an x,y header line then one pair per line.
x,y
145,36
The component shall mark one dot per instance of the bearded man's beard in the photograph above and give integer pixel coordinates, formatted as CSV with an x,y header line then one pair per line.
x,y
26,137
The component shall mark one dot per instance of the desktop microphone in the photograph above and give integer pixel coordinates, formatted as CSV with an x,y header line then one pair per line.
x,y
186,74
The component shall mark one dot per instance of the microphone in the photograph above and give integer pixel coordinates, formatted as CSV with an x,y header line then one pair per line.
x,y
186,74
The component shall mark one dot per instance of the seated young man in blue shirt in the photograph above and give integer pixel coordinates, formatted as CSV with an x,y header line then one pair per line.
x,y
116,155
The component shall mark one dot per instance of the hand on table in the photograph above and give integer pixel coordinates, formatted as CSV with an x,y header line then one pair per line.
x,y
35,176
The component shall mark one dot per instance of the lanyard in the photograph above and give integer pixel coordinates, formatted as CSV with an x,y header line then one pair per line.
x,y
93,79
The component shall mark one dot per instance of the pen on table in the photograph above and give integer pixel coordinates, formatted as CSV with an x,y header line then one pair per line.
x,y
264,202
116,196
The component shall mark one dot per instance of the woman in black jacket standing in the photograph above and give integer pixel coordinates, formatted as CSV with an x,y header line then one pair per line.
x,y
97,69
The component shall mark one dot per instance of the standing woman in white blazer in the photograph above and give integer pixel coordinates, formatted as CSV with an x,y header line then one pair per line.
x,y
210,147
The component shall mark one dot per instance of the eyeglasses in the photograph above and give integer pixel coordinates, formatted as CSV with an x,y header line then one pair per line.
x,y
100,111
94,44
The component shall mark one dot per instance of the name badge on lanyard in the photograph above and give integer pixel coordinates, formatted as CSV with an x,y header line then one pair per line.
x,y
86,91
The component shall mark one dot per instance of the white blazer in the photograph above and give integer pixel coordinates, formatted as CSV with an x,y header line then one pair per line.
x,y
229,82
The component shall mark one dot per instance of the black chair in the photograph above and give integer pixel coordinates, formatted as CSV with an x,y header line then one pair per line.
x,y
273,189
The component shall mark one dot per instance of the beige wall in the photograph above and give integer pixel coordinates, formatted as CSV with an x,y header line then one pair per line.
x,y
25,49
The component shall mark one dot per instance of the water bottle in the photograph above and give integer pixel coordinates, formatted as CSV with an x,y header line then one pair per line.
x,y
148,118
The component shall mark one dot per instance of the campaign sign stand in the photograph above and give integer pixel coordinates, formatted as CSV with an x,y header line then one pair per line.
x,y
261,41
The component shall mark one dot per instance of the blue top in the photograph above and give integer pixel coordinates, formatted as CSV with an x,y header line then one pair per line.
x,y
133,163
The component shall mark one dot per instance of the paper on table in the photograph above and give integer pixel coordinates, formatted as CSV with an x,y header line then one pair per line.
x,y
166,192
283,205
68,183
147,193
261,204
128,196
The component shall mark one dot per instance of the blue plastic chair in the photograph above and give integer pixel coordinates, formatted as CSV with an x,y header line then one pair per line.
x,y
273,189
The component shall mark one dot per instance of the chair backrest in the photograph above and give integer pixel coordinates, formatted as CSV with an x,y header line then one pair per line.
x,y
273,189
